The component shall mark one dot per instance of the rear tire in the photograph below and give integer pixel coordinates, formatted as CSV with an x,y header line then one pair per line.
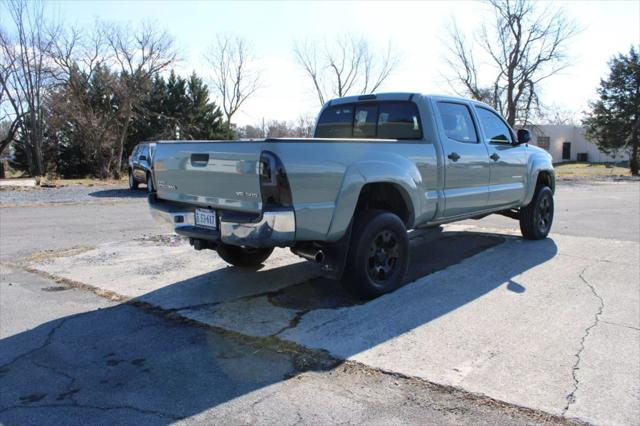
x,y
243,256
378,254
133,185
536,218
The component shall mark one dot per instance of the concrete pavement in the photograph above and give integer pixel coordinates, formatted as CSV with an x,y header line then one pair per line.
x,y
69,356
552,325
512,322
601,209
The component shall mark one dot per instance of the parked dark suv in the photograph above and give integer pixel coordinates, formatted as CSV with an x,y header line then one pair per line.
x,y
140,165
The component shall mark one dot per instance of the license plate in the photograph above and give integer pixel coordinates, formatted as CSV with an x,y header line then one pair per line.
x,y
206,218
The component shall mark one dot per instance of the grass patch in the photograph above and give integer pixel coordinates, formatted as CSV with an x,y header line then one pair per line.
x,y
590,170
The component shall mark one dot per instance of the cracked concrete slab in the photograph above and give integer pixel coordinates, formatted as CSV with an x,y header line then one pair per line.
x,y
612,281
514,322
21,311
506,323
250,316
607,389
172,275
120,364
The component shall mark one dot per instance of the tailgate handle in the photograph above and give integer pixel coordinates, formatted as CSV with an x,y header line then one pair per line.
x,y
199,160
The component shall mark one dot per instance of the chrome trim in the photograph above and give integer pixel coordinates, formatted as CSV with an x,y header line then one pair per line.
x,y
168,218
275,228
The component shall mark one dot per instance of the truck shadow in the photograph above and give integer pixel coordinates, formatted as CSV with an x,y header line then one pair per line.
x,y
431,250
163,369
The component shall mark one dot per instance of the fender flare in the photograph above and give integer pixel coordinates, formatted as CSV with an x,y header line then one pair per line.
x,y
397,171
538,165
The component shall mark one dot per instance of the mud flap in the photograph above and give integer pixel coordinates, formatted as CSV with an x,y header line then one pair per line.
x,y
335,256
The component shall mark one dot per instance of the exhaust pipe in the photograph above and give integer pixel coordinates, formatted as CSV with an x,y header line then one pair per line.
x,y
200,244
311,254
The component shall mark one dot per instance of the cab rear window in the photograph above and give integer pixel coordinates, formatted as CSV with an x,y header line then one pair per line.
x,y
370,120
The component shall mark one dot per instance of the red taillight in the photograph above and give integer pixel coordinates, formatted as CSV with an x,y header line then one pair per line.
x,y
274,184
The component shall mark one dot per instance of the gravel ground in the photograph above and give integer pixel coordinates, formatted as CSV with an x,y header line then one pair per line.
x,y
68,194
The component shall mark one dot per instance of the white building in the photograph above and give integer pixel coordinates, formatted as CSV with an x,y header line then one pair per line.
x,y
568,143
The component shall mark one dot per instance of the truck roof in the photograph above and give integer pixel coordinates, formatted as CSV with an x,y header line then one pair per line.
x,y
399,96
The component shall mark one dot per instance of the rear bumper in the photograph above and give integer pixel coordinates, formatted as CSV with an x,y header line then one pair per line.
x,y
271,229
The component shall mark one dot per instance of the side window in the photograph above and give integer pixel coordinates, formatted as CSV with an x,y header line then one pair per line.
x,y
494,128
457,122
335,122
364,121
399,120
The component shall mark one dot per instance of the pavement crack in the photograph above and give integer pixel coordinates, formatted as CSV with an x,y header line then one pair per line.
x,y
194,307
47,342
293,322
571,397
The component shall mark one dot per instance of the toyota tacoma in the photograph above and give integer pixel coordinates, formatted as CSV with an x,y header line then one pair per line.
x,y
377,166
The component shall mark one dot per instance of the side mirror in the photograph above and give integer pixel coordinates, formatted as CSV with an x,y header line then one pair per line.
x,y
142,158
524,136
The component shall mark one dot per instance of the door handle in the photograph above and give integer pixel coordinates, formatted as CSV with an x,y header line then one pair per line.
x,y
453,156
494,157
199,160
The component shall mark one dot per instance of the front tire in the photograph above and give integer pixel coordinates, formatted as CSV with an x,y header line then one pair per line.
x,y
243,256
536,218
378,254
133,185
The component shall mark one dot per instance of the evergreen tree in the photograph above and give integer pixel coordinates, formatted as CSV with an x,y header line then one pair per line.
x,y
177,108
614,120
151,121
204,118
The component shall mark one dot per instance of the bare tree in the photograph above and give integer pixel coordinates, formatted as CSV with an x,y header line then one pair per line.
x,y
139,54
25,76
523,46
344,66
86,97
302,127
76,50
85,112
9,124
235,76
554,114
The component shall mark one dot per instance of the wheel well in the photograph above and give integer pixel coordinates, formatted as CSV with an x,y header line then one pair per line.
x,y
544,178
385,196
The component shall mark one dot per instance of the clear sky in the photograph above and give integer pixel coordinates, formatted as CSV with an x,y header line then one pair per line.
x,y
415,28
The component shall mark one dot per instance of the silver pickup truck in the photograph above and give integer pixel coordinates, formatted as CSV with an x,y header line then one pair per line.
x,y
379,165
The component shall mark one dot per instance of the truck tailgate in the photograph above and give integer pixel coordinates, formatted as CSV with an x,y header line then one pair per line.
x,y
210,173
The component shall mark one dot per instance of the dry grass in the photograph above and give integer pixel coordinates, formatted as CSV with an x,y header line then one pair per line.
x,y
90,181
590,170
